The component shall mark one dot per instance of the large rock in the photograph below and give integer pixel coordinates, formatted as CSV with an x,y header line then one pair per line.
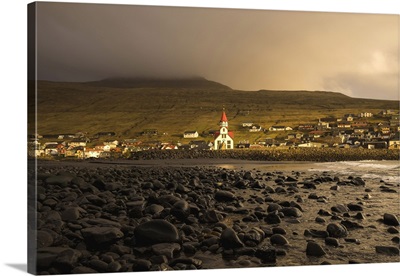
x,y
266,254
60,180
47,255
354,207
336,230
101,235
291,212
230,240
44,239
71,214
278,239
211,216
156,231
273,207
340,208
67,260
224,196
388,250
314,249
181,209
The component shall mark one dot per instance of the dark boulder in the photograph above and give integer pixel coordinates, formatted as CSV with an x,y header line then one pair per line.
x,y
390,219
230,240
336,230
156,231
314,249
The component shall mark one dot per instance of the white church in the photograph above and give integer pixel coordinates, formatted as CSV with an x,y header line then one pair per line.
x,y
223,139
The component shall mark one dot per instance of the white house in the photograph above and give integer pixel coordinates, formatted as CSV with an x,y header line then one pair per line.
x,y
92,153
366,115
190,134
255,128
279,128
247,124
223,139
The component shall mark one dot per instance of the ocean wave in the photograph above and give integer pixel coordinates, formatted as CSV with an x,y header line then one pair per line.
x,y
385,170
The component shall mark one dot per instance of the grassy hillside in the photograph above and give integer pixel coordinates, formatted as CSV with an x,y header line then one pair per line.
x,y
130,106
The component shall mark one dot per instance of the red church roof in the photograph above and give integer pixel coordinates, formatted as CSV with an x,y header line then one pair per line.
x,y
230,134
223,117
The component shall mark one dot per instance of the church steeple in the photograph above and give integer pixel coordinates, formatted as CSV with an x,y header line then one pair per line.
x,y
224,120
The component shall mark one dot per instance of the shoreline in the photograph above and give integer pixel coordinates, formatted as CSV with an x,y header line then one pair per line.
x,y
209,216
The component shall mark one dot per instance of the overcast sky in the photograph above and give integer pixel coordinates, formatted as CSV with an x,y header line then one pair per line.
x,y
355,54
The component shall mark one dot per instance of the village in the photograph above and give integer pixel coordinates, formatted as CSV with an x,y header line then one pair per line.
x,y
366,130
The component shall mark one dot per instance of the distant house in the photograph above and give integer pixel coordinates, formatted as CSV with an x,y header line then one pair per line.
x,y
78,142
54,149
376,145
51,149
349,117
105,133
255,128
324,123
307,138
169,147
317,133
92,153
344,125
190,134
394,121
247,124
243,145
366,115
150,132
292,136
111,143
279,128
360,130
385,130
306,127
359,124
387,112
200,145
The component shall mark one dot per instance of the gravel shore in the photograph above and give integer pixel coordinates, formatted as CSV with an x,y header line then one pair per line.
x,y
98,217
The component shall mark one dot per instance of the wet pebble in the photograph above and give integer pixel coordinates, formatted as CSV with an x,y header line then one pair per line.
x,y
278,239
332,241
393,230
336,230
390,219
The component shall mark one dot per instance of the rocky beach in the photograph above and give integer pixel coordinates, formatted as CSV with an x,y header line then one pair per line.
x,y
184,214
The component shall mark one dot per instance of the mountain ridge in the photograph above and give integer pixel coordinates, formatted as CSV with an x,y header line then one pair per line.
x,y
150,82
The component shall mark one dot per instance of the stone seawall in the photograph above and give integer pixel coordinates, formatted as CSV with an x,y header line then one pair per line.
x,y
309,154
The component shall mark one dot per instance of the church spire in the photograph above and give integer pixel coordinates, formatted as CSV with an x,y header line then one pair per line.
x,y
224,120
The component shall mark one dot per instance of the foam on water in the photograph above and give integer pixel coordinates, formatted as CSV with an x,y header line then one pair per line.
x,y
368,169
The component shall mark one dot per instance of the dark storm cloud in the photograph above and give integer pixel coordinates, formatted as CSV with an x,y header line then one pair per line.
x,y
244,49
